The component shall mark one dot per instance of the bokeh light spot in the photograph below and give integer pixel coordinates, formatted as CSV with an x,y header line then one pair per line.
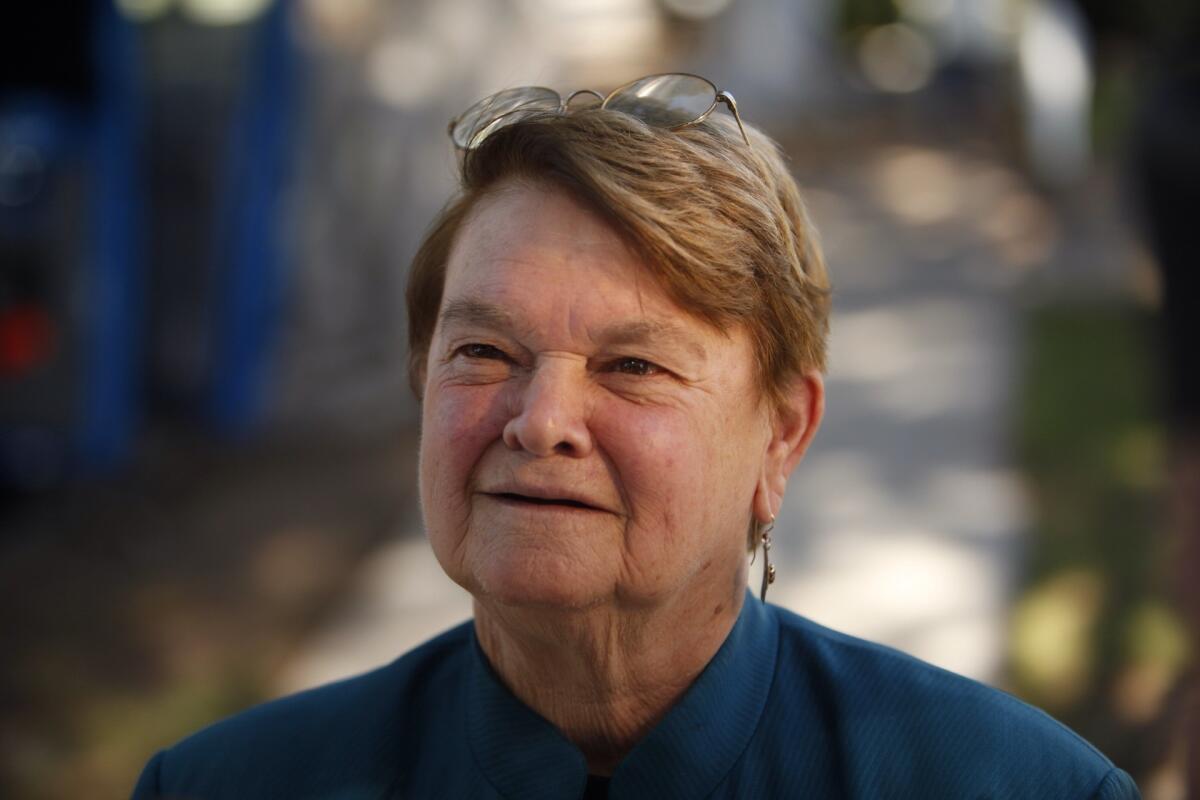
x,y
1052,630
896,58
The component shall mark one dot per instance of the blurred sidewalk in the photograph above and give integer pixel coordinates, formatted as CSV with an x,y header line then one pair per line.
x,y
903,523
401,599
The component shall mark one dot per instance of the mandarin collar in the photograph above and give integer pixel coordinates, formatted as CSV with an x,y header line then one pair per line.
x,y
686,755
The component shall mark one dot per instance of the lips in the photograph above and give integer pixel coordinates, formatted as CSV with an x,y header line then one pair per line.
x,y
545,497
542,501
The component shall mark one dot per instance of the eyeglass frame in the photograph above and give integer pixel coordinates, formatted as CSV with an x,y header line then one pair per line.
x,y
719,96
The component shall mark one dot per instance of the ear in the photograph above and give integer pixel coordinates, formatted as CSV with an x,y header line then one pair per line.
x,y
793,426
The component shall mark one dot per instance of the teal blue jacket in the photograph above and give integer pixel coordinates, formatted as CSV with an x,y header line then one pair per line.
x,y
786,708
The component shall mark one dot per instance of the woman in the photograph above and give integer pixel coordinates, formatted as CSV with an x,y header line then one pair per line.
x,y
618,331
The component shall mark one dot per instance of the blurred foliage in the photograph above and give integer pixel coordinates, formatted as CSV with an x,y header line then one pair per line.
x,y
1095,638
114,734
1156,20
856,16
1114,102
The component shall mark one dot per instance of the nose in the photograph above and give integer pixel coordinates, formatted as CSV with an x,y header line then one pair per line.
x,y
551,414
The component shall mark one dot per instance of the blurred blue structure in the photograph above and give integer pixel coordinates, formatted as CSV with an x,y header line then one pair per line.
x,y
70,221
249,267
81,322
111,403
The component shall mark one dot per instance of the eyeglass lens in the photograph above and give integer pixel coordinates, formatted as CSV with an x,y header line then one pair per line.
x,y
665,101
494,112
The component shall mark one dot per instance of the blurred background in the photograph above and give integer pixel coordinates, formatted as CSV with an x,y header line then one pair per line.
x,y
207,444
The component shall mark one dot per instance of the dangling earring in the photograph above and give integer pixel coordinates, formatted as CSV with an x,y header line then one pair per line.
x,y
768,568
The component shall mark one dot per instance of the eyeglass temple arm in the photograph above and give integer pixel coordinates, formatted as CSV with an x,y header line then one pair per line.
x,y
726,98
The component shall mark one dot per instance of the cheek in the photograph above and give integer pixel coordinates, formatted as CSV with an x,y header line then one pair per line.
x,y
689,480
458,424
667,462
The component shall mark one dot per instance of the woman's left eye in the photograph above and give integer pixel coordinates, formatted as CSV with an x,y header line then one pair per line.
x,y
636,366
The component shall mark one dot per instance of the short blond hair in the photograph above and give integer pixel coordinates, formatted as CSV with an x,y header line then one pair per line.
x,y
720,226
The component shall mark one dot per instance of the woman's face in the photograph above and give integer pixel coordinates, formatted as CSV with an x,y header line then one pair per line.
x,y
585,440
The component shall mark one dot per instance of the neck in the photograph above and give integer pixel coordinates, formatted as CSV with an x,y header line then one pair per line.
x,y
604,676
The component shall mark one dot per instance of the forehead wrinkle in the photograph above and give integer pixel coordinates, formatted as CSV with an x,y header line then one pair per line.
x,y
651,329
472,311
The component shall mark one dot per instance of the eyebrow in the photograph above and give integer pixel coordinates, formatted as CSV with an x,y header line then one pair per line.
x,y
468,311
475,312
645,332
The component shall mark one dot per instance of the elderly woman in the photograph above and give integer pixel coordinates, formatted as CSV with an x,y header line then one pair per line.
x,y
618,330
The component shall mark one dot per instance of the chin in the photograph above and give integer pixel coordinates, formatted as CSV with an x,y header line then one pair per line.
x,y
545,583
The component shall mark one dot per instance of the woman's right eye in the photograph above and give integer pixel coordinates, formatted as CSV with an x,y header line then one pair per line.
x,y
482,351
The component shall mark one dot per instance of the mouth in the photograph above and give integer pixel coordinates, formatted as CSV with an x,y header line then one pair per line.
x,y
512,498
